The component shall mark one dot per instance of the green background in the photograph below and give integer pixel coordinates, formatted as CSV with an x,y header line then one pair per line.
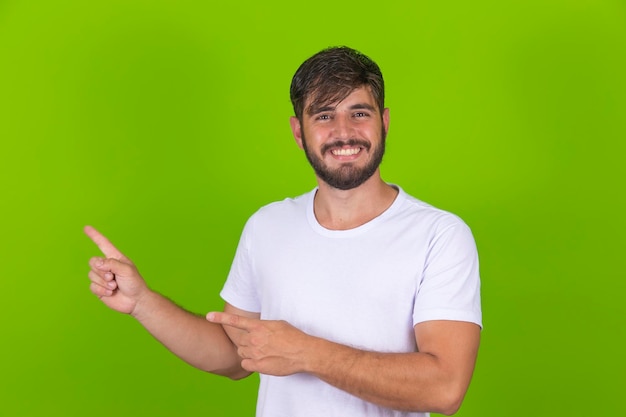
x,y
165,125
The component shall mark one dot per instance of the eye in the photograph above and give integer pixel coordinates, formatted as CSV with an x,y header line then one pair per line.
x,y
323,117
360,114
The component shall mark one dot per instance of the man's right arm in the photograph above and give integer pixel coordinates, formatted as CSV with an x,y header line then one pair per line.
x,y
118,284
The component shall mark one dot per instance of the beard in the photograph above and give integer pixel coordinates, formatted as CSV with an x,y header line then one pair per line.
x,y
347,176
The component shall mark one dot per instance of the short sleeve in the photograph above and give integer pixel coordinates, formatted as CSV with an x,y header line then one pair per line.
x,y
240,288
450,284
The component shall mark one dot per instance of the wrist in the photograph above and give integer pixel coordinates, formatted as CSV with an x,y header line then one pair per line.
x,y
144,303
318,356
329,359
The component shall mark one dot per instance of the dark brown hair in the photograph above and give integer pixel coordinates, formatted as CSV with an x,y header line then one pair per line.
x,y
331,75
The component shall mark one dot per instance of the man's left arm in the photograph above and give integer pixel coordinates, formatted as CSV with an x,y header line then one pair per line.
x,y
434,379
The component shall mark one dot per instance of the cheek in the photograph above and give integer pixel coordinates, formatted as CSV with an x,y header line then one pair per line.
x,y
313,137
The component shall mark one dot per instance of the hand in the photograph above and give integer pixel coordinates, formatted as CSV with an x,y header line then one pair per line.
x,y
267,346
114,279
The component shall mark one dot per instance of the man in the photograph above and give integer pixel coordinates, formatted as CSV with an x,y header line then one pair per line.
x,y
354,299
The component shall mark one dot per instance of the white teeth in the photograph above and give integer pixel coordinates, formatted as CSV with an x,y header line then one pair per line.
x,y
346,152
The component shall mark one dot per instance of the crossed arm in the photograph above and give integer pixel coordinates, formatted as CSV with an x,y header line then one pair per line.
x,y
434,379
235,343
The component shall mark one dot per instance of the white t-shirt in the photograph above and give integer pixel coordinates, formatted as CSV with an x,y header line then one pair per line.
x,y
365,287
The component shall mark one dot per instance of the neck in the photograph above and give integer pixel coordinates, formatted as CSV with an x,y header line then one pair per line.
x,y
346,209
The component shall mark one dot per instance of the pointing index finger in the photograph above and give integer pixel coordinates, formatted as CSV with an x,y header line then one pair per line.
x,y
103,243
233,320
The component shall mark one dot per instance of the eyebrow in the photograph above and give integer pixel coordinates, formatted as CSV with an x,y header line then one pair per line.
x,y
323,109
362,106
357,106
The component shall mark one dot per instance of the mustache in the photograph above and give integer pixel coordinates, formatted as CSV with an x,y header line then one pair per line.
x,y
349,142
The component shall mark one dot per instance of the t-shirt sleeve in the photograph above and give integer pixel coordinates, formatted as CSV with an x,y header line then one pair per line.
x,y
450,284
240,289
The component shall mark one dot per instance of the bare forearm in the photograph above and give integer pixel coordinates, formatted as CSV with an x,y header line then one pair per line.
x,y
432,380
402,381
118,284
202,344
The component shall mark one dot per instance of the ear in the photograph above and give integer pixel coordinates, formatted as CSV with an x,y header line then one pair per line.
x,y
386,119
296,129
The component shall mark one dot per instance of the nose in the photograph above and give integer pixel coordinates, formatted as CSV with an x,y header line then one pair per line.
x,y
343,128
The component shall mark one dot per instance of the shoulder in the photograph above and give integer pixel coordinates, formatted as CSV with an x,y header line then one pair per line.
x,y
279,214
416,210
284,207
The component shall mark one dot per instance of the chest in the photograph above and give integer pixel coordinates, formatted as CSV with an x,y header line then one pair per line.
x,y
359,291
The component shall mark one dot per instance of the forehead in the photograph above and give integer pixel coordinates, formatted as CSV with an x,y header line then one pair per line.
x,y
362,95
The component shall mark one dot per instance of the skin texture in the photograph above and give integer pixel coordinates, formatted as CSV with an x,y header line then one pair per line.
x,y
342,138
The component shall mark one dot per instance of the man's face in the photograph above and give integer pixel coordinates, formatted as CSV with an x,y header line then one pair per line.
x,y
344,141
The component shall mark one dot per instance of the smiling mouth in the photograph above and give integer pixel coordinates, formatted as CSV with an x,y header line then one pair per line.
x,y
345,148
345,151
